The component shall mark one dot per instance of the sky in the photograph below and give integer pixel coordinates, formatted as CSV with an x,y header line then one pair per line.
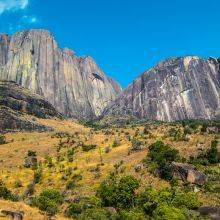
x,y
125,37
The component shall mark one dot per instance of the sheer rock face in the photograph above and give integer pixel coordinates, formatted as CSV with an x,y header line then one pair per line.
x,y
74,85
176,89
115,86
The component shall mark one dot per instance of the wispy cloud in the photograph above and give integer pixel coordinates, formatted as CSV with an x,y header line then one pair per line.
x,y
29,19
12,5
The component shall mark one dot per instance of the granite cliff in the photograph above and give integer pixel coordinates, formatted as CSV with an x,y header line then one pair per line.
x,y
176,89
75,86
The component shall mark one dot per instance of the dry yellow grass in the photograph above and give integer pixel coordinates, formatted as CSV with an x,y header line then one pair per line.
x,y
29,213
12,156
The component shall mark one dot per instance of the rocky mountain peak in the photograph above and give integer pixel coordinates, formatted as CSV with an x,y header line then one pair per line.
x,y
76,86
175,89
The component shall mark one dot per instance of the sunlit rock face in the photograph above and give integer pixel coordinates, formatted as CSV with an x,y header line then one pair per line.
x,y
76,86
176,89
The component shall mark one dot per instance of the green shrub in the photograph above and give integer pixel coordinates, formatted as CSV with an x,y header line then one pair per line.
x,y
88,147
6,194
187,130
121,194
166,212
163,155
48,160
93,214
31,153
76,208
37,176
187,200
107,191
212,154
132,215
207,157
126,191
49,200
71,184
17,184
2,139
116,143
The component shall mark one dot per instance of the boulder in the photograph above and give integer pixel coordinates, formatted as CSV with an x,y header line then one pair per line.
x,y
213,212
187,173
15,215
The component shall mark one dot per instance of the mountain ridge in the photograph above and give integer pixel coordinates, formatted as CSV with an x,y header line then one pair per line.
x,y
175,89
33,59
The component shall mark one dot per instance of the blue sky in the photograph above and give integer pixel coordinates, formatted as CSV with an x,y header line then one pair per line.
x,y
125,37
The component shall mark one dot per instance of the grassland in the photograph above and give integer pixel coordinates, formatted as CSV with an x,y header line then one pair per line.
x,y
93,166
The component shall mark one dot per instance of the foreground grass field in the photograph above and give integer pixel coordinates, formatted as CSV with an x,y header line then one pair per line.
x,y
97,152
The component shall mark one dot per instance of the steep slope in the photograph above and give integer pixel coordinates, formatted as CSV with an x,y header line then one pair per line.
x,y
176,89
76,86
17,104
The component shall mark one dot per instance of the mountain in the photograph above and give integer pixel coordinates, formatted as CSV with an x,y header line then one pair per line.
x,y
176,89
18,106
76,86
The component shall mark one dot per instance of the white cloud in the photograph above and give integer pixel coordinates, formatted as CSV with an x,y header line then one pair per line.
x,y
29,19
12,5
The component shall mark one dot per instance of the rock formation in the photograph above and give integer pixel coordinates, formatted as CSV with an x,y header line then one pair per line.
x,y
176,89
76,86
187,173
17,104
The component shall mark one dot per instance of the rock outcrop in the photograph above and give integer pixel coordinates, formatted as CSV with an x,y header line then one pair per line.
x,y
176,89
76,86
187,173
18,106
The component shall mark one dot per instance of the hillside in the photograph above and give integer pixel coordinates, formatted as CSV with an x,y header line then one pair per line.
x,y
75,159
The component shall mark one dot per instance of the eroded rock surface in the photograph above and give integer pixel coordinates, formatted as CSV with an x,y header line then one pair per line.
x,y
76,86
18,106
176,89
187,173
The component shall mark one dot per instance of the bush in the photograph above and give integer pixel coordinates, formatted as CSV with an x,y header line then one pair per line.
x,y
76,208
126,191
37,176
212,154
167,212
49,200
70,184
88,147
209,157
170,203
136,145
163,155
6,194
93,214
121,194
48,161
2,139
132,215
116,143
107,191
31,153
17,184
187,200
